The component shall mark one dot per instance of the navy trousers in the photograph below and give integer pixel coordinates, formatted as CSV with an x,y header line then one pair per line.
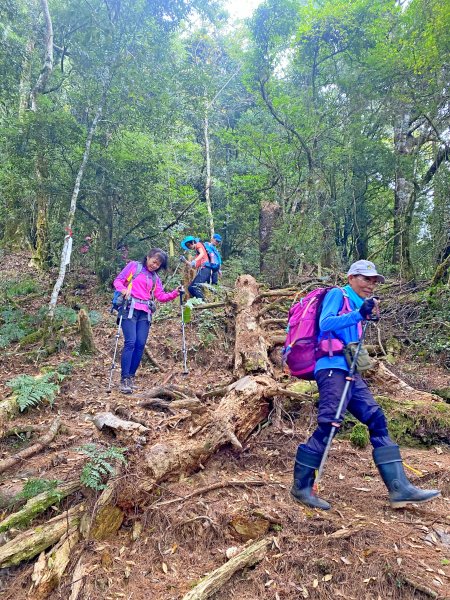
x,y
195,287
135,332
359,402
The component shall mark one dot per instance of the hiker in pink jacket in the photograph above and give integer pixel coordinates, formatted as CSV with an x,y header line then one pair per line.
x,y
140,285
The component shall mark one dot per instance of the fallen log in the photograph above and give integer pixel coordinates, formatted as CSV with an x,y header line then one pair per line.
x,y
250,349
32,542
236,416
38,505
50,567
212,583
394,387
44,441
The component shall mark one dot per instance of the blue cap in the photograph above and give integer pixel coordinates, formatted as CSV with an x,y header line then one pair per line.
x,y
217,237
187,239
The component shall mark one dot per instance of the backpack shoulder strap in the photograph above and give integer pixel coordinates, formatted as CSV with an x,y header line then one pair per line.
x,y
139,267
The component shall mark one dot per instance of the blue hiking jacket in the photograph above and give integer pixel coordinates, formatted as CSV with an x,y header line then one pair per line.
x,y
344,326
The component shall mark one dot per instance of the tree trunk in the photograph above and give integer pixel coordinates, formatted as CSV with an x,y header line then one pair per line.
x,y
208,179
269,214
65,258
404,196
87,345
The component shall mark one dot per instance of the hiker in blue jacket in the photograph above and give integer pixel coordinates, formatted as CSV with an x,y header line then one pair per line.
x,y
330,374
215,258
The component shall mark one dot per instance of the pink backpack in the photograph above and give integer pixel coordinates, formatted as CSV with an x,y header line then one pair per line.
x,y
302,349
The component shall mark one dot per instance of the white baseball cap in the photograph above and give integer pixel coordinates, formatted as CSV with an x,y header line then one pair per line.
x,y
367,268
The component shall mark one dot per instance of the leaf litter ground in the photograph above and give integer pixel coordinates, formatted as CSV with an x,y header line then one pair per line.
x,y
360,549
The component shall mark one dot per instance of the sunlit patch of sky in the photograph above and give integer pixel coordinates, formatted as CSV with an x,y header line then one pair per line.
x,y
241,9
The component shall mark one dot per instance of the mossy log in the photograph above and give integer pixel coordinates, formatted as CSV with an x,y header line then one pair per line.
x,y
250,349
417,421
50,567
241,410
215,580
29,544
38,505
87,345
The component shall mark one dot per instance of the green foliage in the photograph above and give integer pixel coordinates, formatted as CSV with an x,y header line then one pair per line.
x,y
99,467
187,308
94,317
21,287
31,391
65,315
33,487
64,369
10,332
359,436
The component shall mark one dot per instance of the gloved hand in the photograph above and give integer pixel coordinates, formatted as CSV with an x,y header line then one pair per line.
x,y
192,263
367,307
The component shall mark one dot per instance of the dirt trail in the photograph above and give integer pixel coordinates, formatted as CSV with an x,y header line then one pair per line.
x,y
360,549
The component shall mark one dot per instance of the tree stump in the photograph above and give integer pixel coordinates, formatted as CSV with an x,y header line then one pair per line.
x,y
250,349
87,345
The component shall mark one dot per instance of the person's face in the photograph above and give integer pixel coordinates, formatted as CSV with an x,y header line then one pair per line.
x,y
363,285
153,263
214,242
190,245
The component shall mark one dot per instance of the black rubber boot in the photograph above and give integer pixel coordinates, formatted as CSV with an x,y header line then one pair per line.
x,y
401,491
305,466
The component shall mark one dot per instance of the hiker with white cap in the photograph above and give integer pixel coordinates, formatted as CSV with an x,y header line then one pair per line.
x,y
343,310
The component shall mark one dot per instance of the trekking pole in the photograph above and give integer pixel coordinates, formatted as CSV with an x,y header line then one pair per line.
x,y
183,335
349,379
113,364
117,336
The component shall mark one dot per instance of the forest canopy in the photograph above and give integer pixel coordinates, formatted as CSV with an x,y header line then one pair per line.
x,y
312,132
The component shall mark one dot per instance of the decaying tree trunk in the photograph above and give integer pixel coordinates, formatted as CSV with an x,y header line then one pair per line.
x,y
244,406
250,349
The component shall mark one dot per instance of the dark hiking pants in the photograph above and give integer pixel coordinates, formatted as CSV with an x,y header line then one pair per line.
x,y
135,332
359,402
195,288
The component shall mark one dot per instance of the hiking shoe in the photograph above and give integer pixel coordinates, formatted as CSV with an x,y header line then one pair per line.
x,y
132,380
125,386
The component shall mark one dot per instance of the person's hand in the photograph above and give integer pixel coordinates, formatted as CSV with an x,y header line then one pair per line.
x,y
367,307
192,263
180,289
126,294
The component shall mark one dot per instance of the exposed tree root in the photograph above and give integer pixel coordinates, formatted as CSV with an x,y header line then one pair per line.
x,y
34,449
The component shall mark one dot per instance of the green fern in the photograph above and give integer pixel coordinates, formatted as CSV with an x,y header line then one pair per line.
x,y
33,487
31,391
99,467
